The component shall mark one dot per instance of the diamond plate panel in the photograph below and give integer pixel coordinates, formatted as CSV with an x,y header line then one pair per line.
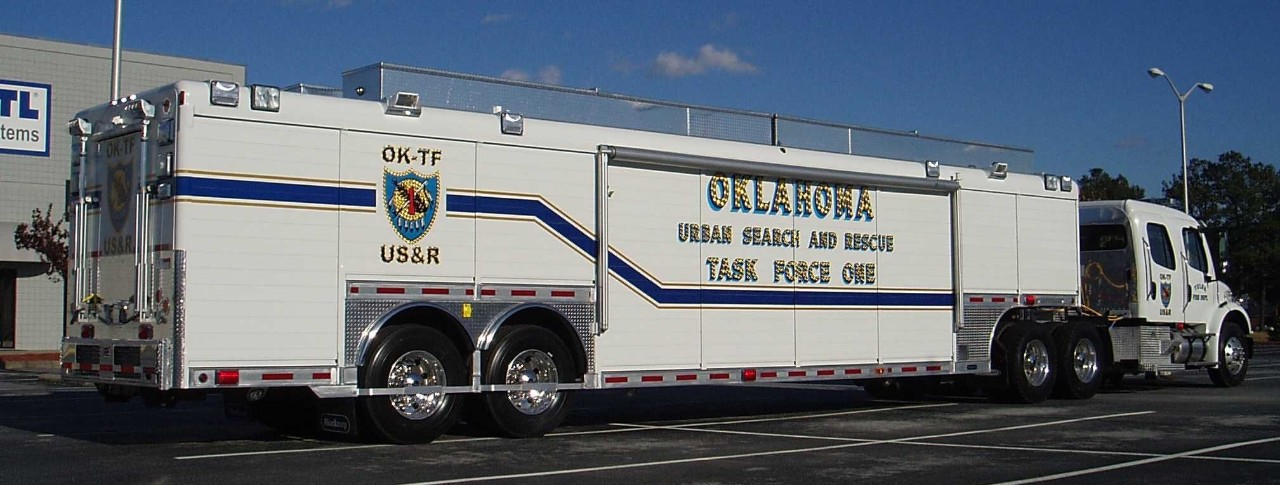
x,y
362,314
979,323
1124,343
174,373
581,316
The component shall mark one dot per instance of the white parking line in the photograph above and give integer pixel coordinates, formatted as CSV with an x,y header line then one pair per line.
x,y
808,416
769,453
569,433
1088,452
1134,463
278,452
358,447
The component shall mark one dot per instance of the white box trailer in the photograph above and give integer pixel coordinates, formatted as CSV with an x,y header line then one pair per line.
x,y
386,259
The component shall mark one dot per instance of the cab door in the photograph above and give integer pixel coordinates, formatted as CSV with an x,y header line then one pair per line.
x,y
1165,294
1199,303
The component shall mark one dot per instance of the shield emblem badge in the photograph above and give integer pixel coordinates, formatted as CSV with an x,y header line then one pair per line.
x,y
1166,293
119,194
412,201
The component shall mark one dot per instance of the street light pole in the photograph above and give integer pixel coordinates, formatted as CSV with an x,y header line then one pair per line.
x,y
115,54
1182,118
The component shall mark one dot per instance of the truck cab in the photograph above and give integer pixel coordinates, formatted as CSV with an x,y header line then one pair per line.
x,y
1149,270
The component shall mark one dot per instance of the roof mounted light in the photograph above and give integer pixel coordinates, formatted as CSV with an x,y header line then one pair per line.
x,y
264,98
1066,183
510,123
403,104
999,170
224,93
932,169
1051,182
139,110
80,127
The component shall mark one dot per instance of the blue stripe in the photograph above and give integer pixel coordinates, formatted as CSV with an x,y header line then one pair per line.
x,y
480,204
274,191
477,204
689,296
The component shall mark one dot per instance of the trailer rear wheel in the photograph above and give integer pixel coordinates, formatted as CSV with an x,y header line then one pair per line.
x,y
525,354
1081,361
1233,358
1027,359
411,356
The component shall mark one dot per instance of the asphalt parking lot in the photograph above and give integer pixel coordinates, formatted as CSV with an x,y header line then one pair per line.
x,y
1169,430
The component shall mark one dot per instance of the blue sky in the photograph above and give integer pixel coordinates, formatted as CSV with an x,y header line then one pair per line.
x,y
1066,79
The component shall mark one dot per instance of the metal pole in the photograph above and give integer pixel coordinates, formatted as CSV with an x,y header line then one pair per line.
x,y
1182,116
115,54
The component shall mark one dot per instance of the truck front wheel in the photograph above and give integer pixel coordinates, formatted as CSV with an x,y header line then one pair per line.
x,y
412,356
525,354
1233,358
1027,359
1081,361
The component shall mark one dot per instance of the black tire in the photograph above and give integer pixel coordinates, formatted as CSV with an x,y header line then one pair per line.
x,y
1233,357
524,353
1028,363
422,356
1082,361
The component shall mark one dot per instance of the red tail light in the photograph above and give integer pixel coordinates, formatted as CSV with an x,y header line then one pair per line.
x,y
1030,299
748,375
227,377
145,332
86,331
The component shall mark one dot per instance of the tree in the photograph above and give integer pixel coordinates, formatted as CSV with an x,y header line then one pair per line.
x,y
1098,185
1242,196
46,237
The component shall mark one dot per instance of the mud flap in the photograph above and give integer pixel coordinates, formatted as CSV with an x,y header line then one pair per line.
x,y
337,416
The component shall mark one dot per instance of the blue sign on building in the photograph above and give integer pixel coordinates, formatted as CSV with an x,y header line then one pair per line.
x,y
24,118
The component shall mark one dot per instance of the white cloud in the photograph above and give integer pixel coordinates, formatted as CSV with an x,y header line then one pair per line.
x,y
495,18
515,75
709,58
550,74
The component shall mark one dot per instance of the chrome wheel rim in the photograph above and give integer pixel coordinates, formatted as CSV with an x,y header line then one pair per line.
x,y
532,367
1085,360
1035,363
1233,355
413,369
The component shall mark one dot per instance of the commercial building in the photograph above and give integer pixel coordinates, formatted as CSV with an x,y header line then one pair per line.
x,y
42,85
